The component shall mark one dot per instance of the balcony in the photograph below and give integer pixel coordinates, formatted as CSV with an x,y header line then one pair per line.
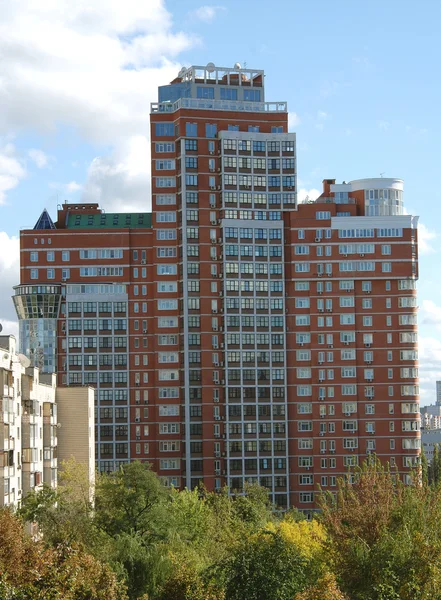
x,y
229,105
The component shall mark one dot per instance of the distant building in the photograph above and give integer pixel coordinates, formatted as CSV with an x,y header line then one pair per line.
x,y
438,393
31,433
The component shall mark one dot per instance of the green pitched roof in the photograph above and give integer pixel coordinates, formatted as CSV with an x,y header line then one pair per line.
x,y
110,221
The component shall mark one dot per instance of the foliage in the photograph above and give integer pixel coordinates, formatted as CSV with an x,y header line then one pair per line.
x,y
377,539
31,571
384,538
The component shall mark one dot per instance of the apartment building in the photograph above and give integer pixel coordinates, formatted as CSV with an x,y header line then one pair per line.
x,y
232,335
29,430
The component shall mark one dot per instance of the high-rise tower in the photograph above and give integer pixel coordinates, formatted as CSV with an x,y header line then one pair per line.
x,y
233,336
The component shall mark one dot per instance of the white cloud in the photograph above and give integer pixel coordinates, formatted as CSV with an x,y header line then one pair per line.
x,y
293,120
66,188
322,115
9,327
122,179
430,313
93,67
207,13
38,157
11,170
383,125
304,195
425,236
429,354
9,275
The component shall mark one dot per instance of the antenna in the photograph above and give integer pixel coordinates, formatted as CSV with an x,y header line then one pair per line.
x,y
24,360
381,174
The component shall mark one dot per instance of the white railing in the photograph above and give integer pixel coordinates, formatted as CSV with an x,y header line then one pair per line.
x,y
230,105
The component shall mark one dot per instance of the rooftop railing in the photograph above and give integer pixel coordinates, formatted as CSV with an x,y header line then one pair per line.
x,y
230,105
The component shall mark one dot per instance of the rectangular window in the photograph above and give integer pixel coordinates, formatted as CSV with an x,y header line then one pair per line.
x,y
164,129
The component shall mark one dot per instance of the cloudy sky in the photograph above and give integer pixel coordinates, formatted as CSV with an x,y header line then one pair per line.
x,y
361,77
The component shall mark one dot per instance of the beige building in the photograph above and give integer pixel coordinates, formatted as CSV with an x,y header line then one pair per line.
x,y
77,426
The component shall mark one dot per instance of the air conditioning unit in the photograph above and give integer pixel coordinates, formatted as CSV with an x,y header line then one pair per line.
x,y
213,187
345,255
64,279
369,362
321,380
347,414
144,262
216,364
214,311
138,437
319,274
217,418
332,451
320,293
300,343
368,291
362,255
320,309
213,222
217,471
211,151
322,398
323,451
217,435
137,419
323,416
346,343
367,345
144,331
212,169
329,274
317,240
330,345
370,380
217,454
320,362
329,309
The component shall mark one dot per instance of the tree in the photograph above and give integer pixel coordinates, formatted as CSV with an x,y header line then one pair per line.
x,y
325,589
125,499
266,567
29,570
384,539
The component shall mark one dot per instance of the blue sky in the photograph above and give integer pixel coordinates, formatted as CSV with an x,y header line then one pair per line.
x,y
361,79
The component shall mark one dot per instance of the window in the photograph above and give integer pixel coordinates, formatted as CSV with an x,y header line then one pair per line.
x,y
191,129
164,129
386,267
210,128
228,93
205,92
34,273
251,95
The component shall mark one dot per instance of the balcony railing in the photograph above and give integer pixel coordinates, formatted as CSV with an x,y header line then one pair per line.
x,y
230,105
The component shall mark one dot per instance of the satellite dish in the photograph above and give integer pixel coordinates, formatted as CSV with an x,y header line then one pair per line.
x,y
237,66
24,360
1,327
210,67
5,356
